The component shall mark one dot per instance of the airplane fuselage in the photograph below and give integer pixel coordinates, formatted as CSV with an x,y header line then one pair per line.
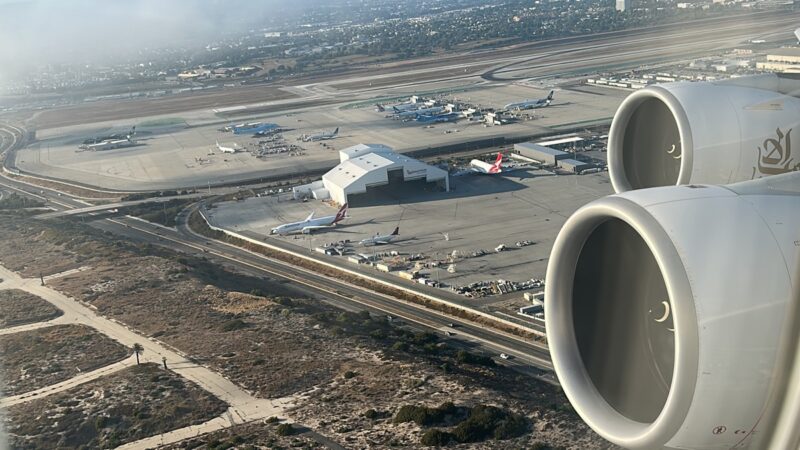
x,y
305,226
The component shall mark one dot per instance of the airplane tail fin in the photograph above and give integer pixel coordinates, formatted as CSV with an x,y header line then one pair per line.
x,y
497,166
395,109
396,231
336,131
550,95
341,214
380,107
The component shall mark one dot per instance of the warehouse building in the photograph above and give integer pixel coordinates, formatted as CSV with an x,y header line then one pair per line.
x,y
545,155
781,60
573,165
369,167
569,142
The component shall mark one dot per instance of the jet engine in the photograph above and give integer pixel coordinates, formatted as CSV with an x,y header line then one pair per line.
x,y
665,309
714,133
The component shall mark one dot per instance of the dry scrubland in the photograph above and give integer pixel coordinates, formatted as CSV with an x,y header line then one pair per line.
x,y
269,434
21,308
123,407
355,371
38,358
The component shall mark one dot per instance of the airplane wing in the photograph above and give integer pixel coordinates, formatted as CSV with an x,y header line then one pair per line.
x,y
313,228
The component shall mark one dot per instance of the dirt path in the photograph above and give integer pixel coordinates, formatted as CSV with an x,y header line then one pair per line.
x,y
243,407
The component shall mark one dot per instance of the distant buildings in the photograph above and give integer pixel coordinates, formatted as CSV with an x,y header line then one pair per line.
x,y
781,60
623,5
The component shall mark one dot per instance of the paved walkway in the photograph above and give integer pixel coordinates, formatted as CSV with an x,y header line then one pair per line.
x,y
60,320
68,384
243,407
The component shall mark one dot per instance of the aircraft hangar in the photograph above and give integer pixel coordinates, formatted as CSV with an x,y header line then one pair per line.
x,y
369,167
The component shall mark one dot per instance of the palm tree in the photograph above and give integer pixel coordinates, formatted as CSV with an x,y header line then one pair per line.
x,y
138,350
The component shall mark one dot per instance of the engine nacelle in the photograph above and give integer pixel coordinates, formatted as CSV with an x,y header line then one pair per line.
x,y
712,133
665,308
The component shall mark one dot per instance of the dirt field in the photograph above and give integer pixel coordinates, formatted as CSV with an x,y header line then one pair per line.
x,y
274,343
128,109
20,308
38,358
251,436
358,411
248,338
133,404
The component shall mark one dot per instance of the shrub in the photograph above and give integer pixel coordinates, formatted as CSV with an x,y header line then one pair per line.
x,y
436,437
489,421
233,325
371,414
464,356
420,415
285,429
349,374
400,346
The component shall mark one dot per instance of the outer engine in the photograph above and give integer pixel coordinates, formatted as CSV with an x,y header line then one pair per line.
x,y
669,309
714,133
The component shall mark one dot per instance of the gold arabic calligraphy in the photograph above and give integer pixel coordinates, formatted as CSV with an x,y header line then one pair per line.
x,y
775,155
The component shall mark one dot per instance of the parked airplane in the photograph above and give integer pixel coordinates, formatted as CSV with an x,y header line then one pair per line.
x,y
112,137
438,118
531,104
254,128
417,112
412,103
225,149
381,239
321,136
311,224
484,167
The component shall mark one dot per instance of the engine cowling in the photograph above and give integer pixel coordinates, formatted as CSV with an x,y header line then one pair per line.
x,y
665,308
714,133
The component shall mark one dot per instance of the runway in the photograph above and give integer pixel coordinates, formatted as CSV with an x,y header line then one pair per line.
x,y
551,58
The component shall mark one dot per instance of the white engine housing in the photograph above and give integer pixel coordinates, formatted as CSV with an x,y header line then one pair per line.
x,y
712,133
716,265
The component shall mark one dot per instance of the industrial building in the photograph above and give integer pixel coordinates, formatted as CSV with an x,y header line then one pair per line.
x,y
562,143
545,155
573,165
367,167
623,5
781,60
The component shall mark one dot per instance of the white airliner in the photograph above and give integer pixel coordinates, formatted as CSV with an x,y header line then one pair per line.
x,y
311,224
486,168
531,104
324,136
381,239
225,149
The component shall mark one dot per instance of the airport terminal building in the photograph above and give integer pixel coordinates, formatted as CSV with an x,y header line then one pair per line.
x,y
366,168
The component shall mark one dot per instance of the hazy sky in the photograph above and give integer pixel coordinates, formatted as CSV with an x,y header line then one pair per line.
x,y
36,31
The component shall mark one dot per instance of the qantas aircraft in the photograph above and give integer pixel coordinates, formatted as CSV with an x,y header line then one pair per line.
x,y
381,239
486,168
311,224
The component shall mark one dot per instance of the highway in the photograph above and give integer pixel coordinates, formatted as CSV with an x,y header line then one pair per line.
x,y
527,357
